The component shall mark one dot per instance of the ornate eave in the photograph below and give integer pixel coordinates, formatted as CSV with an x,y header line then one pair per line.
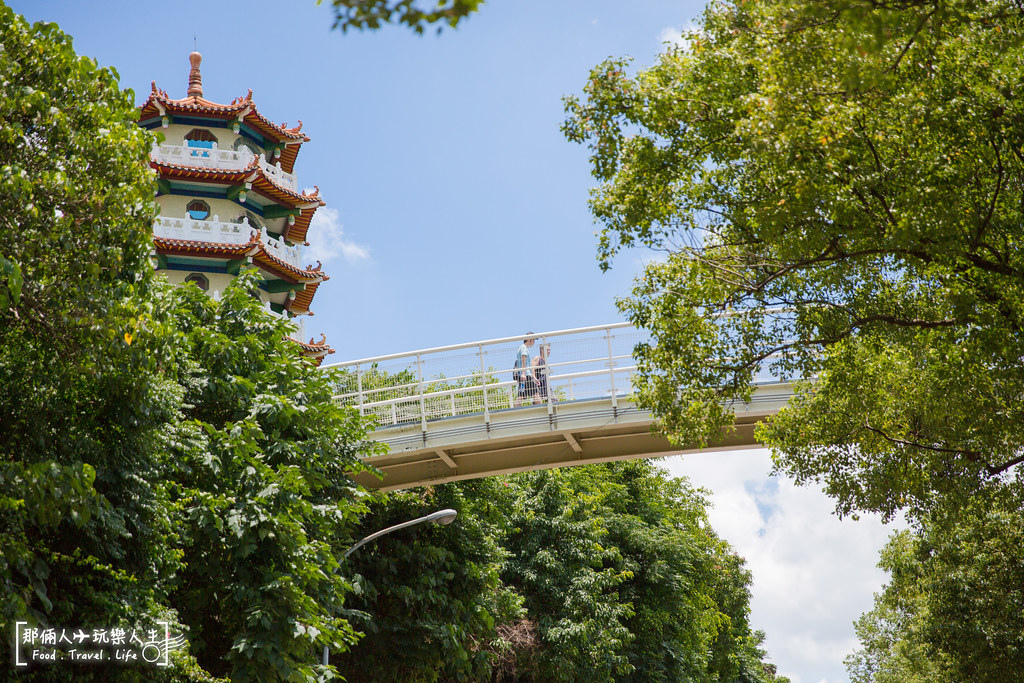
x,y
286,271
315,351
254,250
253,174
304,299
217,176
266,186
174,247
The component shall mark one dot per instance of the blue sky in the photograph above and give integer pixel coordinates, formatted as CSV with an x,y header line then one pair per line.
x,y
437,156
457,212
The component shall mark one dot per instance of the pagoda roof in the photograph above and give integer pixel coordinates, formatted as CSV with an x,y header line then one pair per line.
x,y
175,247
266,186
286,271
314,350
254,249
241,109
261,182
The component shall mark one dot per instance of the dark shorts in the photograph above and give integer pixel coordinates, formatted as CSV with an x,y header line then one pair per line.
x,y
527,387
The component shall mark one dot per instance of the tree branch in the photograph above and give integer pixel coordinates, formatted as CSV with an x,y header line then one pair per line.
x,y
913,38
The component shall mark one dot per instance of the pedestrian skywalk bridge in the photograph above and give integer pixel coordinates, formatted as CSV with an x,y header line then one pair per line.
x,y
456,412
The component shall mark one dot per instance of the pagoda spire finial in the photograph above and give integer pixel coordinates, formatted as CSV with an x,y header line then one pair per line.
x,y
195,79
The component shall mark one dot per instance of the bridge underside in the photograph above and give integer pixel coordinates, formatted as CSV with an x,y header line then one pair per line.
x,y
540,437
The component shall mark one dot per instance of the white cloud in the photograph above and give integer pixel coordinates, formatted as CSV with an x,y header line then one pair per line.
x,y
814,574
643,259
677,36
327,240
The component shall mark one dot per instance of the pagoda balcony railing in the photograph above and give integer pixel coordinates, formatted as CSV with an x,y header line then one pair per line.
x,y
274,172
279,248
192,230
223,160
218,232
203,157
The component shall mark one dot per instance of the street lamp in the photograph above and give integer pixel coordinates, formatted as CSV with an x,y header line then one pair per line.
x,y
442,517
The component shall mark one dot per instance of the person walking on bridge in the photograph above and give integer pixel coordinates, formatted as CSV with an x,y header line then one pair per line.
x,y
523,373
540,371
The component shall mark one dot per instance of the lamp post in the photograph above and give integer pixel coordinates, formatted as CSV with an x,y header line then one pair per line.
x,y
446,516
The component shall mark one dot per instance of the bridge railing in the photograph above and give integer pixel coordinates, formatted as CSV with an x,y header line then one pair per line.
x,y
477,377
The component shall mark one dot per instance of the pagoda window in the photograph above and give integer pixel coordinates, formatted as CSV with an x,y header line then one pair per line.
x,y
241,143
254,220
198,210
200,280
200,137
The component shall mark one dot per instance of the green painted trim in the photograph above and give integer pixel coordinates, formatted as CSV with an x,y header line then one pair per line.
x,y
254,135
161,261
278,286
278,211
235,265
163,186
234,191
277,308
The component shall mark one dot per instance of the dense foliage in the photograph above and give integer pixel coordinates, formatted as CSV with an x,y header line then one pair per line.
x,y
84,400
954,607
164,456
625,580
837,190
258,476
602,573
430,597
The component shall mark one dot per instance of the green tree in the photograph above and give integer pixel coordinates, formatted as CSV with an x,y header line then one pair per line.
x,y
569,580
954,607
259,479
607,573
85,531
372,14
163,456
837,189
624,580
429,598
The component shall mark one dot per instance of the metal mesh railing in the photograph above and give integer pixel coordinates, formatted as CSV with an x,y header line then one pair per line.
x,y
481,377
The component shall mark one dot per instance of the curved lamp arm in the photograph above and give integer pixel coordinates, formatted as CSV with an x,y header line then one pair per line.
x,y
446,516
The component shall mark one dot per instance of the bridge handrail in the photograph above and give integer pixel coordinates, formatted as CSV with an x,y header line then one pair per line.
x,y
476,378
479,377
492,372
501,384
483,342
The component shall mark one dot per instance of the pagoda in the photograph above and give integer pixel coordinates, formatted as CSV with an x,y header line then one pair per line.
x,y
229,199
